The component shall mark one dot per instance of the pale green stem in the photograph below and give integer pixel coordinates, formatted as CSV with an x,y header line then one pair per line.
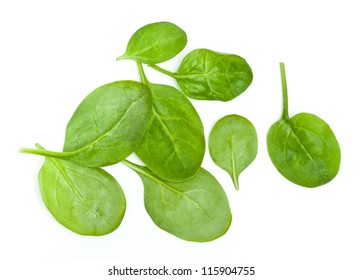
x,y
121,57
142,74
162,70
285,91
235,180
132,165
42,152
140,170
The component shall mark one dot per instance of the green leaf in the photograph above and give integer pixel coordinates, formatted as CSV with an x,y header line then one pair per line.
x,y
193,210
107,126
208,75
155,43
233,145
303,148
173,146
88,201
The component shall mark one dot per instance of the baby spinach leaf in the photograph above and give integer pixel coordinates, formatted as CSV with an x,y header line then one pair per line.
x,y
155,43
303,148
88,201
196,209
173,146
107,125
233,145
208,75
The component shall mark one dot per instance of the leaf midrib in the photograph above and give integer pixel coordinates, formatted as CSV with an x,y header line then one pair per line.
x,y
304,147
106,133
140,52
163,184
168,133
63,172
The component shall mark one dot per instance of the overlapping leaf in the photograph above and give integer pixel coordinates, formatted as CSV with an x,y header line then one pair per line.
x,y
195,210
173,146
88,201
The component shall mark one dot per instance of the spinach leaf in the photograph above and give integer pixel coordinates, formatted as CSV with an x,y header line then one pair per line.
x,y
208,75
173,146
88,201
107,125
233,145
303,148
155,43
194,210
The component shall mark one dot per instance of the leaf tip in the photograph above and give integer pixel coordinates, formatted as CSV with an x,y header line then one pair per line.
x,y
121,57
236,183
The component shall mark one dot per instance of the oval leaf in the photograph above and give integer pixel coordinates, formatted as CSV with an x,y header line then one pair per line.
x,y
304,150
173,146
155,43
107,126
205,74
109,123
194,210
233,145
88,201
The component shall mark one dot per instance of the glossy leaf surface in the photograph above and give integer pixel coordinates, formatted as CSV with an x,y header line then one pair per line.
x,y
107,126
233,145
209,75
194,210
173,146
303,148
155,43
88,201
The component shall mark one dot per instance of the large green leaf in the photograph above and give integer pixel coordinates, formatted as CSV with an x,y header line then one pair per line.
x,y
173,146
88,201
107,126
303,148
196,209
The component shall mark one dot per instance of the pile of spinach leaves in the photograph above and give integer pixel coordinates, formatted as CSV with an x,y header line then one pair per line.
x,y
159,124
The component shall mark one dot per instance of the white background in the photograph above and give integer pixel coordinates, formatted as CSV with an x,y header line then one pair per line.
x,y
53,53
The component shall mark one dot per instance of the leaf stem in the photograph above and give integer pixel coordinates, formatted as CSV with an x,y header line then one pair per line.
x,y
145,172
132,165
121,57
285,91
42,152
140,170
162,70
235,180
142,73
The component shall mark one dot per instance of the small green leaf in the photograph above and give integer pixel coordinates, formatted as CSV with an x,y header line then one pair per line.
x,y
107,126
233,145
173,146
155,43
88,201
195,210
208,75
303,148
